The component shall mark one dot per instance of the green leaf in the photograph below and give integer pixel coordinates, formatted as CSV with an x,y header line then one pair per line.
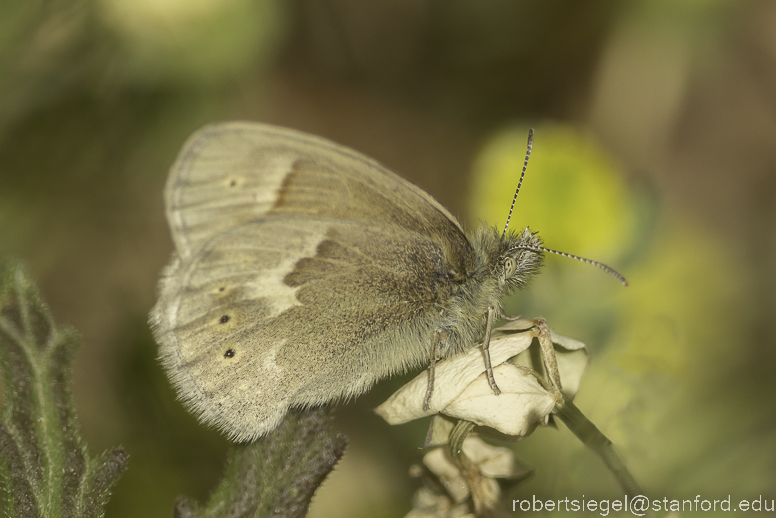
x,y
45,468
276,475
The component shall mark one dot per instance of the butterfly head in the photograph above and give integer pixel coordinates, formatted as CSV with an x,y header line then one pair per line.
x,y
521,254
520,259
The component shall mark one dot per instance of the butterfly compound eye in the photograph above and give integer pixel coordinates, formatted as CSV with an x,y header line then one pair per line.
x,y
509,267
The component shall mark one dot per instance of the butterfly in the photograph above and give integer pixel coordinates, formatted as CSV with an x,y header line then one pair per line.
x,y
304,272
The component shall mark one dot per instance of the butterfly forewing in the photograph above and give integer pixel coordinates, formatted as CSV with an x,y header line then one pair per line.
x,y
231,173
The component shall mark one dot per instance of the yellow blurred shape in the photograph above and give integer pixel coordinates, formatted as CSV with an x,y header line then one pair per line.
x,y
654,346
686,280
572,192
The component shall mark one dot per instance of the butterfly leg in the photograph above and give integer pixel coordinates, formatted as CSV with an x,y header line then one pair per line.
x,y
439,335
486,351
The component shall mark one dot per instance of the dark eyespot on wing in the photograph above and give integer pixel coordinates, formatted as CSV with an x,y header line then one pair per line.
x,y
198,323
229,353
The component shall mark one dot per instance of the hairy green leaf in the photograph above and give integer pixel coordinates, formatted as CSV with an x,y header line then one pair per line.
x,y
276,475
45,468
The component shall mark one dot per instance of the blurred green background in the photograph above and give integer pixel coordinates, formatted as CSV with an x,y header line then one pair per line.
x,y
655,151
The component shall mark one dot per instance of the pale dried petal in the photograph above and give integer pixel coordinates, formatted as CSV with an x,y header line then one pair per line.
x,y
493,461
519,324
522,404
490,492
441,428
440,465
452,376
428,504
571,344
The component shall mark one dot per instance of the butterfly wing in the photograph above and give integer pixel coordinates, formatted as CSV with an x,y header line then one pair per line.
x,y
304,272
231,173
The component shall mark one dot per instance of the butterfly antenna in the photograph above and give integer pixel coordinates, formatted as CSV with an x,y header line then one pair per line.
x,y
608,269
525,166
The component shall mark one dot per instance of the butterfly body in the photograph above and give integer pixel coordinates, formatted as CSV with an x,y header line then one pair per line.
x,y
304,272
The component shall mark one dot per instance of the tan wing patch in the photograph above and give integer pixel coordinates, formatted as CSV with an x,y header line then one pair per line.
x,y
213,330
